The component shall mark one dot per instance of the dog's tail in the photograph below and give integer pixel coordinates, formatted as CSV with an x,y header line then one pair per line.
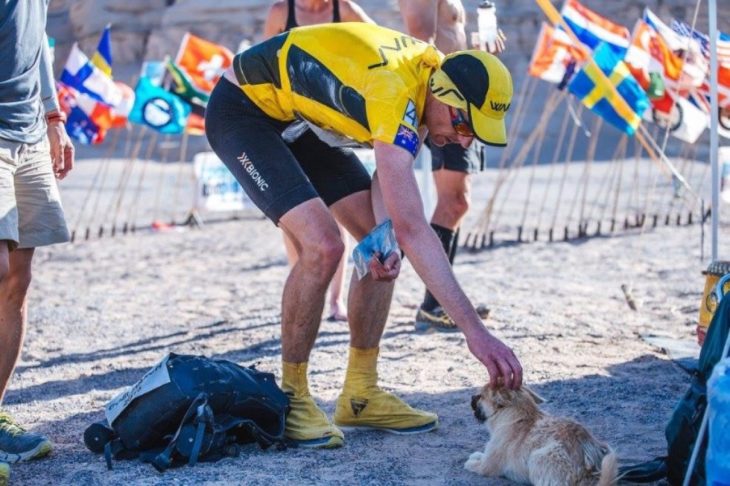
x,y
609,470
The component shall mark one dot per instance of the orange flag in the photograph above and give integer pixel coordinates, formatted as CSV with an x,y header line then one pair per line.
x,y
553,52
203,60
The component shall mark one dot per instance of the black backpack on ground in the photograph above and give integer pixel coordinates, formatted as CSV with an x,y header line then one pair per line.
x,y
684,426
191,408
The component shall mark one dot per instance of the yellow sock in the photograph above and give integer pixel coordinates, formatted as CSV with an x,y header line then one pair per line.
x,y
362,370
294,378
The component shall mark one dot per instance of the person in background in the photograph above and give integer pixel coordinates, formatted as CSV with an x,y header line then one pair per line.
x,y
34,148
287,14
441,22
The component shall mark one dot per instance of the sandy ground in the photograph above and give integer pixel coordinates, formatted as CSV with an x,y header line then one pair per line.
x,y
103,311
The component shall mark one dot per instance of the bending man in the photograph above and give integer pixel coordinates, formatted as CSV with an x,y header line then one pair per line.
x,y
355,83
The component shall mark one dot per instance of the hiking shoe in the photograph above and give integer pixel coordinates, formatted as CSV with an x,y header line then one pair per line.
x,y
434,320
4,474
380,410
308,426
18,445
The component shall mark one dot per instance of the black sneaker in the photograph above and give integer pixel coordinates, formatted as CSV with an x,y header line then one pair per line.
x,y
482,312
18,445
434,320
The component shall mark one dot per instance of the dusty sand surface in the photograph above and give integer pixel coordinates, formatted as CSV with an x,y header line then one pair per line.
x,y
102,312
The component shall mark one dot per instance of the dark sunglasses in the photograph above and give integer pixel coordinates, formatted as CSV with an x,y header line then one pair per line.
x,y
458,121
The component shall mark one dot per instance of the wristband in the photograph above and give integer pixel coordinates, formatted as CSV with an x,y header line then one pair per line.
x,y
56,116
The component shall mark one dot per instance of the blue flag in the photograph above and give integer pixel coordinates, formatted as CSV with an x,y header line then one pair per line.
x,y
158,108
621,107
102,58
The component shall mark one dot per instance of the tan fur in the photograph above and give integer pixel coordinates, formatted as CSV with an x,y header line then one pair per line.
x,y
527,445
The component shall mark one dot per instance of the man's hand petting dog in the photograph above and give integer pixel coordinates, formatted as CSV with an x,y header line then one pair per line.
x,y
387,270
503,366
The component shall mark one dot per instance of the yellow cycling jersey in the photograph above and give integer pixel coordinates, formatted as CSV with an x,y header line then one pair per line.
x,y
360,81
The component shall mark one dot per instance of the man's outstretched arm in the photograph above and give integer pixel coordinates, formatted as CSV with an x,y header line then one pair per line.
x,y
401,198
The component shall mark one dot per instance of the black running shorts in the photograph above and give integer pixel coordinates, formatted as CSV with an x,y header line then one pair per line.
x,y
453,156
276,175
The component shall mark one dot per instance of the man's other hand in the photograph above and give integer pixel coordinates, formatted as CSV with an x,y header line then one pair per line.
x,y
387,270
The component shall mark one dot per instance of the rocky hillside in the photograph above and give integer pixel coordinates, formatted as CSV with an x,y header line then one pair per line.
x,y
150,29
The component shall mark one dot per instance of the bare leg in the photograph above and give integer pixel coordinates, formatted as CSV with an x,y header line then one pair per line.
x,y
453,190
312,228
368,302
337,309
15,276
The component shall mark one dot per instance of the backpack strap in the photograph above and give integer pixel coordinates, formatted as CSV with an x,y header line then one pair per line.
x,y
204,418
163,460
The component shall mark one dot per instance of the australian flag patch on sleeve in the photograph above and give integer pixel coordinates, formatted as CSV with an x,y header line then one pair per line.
x,y
407,138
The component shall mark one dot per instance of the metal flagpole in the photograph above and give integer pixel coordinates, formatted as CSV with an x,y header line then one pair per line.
x,y
714,121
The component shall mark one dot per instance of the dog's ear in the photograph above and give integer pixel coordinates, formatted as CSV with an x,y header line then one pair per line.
x,y
538,399
501,397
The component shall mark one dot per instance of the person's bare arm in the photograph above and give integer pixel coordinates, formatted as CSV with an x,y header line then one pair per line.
x,y
402,201
420,17
275,20
62,150
352,12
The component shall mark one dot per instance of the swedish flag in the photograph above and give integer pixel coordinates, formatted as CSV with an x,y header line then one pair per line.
x,y
102,58
621,107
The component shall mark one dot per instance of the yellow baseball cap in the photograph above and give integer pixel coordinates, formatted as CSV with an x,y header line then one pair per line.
x,y
479,84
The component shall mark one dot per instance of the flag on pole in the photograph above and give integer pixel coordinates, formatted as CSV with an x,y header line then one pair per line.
x,y
79,125
592,29
552,55
158,108
695,66
80,74
652,62
621,107
178,82
723,41
203,60
181,84
102,58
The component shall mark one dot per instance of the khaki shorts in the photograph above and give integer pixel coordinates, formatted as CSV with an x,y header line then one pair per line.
x,y
31,214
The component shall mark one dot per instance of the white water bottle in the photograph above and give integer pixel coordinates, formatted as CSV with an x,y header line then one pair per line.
x,y
487,21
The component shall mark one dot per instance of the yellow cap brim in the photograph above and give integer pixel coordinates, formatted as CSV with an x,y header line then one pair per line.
x,y
488,130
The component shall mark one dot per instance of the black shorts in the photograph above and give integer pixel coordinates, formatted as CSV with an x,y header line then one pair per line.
x,y
453,156
277,175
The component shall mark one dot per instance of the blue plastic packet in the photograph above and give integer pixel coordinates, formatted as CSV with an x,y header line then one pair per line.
x,y
380,240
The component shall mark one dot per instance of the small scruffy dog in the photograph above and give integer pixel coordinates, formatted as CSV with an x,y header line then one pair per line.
x,y
527,445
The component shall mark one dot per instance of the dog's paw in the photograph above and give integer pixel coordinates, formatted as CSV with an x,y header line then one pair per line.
x,y
474,462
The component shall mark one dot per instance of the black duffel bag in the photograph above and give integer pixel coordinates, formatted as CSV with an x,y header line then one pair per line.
x,y
191,408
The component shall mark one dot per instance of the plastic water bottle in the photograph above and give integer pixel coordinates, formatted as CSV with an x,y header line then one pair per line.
x,y
717,465
487,21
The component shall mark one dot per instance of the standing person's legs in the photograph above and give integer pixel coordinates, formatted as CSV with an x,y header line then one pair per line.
x,y
337,309
15,275
452,165
30,216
